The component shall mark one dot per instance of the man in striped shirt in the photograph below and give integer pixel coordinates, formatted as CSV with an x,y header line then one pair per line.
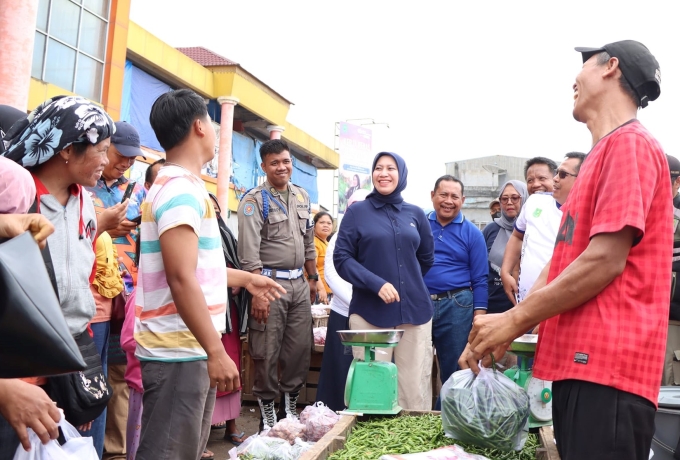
x,y
182,289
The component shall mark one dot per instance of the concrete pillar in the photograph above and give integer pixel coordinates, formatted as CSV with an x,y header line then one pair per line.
x,y
275,131
224,156
17,34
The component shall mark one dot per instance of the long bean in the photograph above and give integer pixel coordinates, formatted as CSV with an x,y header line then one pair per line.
x,y
412,434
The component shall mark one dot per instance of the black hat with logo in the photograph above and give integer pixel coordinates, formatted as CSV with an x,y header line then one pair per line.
x,y
126,140
673,165
638,66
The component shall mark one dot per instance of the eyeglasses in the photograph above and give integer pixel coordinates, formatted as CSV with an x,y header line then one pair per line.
x,y
513,198
563,174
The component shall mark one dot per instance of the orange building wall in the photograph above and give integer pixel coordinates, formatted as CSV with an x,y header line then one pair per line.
x,y
116,49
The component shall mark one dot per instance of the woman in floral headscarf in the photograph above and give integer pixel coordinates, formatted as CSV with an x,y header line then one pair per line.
x,y
63,144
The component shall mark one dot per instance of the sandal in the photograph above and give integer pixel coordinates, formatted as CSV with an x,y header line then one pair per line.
x,y
207,455
218,426
230,437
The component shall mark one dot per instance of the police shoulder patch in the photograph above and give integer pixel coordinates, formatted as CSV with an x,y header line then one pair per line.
x,y
249,208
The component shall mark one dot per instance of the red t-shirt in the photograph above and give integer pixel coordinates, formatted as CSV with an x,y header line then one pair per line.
x,y
617,338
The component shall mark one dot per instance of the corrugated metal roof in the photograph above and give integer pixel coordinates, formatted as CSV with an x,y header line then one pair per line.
x,y
205,57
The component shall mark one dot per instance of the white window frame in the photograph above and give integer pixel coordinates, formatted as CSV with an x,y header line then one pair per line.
x,y
48,37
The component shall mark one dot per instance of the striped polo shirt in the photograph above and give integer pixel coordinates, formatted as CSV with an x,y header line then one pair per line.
x,y
176,198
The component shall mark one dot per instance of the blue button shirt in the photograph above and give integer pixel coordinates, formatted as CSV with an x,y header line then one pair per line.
x,y
460,259
385,243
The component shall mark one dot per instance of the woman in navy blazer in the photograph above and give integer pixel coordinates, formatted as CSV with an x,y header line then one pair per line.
x,y
384,248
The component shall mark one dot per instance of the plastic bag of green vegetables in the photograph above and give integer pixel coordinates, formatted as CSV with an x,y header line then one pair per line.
x,y
262,447
488,410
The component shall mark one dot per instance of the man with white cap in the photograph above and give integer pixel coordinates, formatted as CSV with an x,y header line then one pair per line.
x,y
602,300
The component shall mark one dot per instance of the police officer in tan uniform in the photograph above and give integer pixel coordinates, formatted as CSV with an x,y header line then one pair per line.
x,y
276,239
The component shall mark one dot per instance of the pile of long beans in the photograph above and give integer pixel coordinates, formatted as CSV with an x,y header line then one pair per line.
x,y
411,434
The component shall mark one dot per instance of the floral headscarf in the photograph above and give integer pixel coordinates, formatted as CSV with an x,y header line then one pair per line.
x,y
53,126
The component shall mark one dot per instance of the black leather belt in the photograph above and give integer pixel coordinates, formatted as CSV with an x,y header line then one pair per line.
x,y
448,294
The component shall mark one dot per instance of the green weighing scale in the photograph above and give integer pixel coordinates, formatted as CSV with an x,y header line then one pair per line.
x,y
371,386
539,391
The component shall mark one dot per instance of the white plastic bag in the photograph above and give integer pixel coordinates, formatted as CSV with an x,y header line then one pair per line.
x,y
488,410
287,428
263,447
299,448
454,452
76,447
318,420
319,310
319,335
39,451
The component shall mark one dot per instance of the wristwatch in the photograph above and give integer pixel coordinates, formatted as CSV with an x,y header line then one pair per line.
x,y
314,277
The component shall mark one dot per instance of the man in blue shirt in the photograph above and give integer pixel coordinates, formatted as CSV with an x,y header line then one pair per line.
x,y
108,193
458,279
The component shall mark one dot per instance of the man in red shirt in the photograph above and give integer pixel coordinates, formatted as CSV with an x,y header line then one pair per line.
x,y
603,298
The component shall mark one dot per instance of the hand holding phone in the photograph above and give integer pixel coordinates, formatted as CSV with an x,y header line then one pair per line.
x,y
137,220
128,191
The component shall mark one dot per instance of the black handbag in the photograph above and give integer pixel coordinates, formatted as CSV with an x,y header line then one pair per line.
x,y
83,395
34,337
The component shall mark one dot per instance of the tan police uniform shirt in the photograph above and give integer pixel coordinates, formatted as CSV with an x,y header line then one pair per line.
x,y
285,240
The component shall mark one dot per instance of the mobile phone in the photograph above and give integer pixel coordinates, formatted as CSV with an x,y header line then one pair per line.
x,y
137,220
128,190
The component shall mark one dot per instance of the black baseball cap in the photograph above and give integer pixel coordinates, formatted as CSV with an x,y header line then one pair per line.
x,y
126,140
673,165
637,64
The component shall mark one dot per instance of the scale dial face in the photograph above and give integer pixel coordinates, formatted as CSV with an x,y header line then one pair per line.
x,y
540,398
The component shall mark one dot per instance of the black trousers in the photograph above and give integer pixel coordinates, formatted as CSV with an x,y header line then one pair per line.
x,y
9,441
335,364
597,422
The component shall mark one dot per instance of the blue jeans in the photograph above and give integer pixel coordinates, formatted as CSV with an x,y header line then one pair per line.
x,y
101,340
451,325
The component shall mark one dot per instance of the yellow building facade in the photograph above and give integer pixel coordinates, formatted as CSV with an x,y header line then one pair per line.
x,y
82,46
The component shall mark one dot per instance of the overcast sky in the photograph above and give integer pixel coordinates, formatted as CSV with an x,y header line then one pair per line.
x,y
454,80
